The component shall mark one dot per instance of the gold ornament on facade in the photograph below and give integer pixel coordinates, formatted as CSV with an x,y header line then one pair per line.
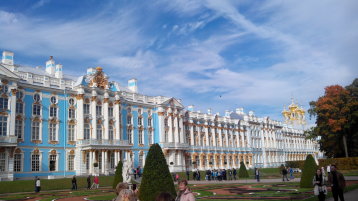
x,y
80,96
99,79
53,142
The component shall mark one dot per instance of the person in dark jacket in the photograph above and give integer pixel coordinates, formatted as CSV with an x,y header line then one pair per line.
x,y
284,174
187,174
89,182
319,183
337,182
74,183
234,173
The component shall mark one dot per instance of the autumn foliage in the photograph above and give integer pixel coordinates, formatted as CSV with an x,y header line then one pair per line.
x,y
336,119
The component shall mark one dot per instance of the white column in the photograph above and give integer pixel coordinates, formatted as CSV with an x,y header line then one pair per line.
x,y
182,131
175,125
91,161
227,137
105,116
80,117
103,161
94,116
13,112
221,138
206,129
170,131
191,133
117,123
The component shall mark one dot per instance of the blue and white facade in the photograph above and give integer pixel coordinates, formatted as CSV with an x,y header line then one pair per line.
x,y
55,125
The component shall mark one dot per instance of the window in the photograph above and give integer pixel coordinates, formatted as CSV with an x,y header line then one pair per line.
x,y
100,161
4,88
19,95
36,110
53,111
18,128
129,133
99,110
17,162
3,125
19,108
166,136
166,122
36,97
129,119
140,123
111,161
52,132
150,137
2,162
110,132
140,162
53,100
71,162
86,132
35,130
140,137
71,101
35,162
4,103
71,132
87,161
52,164
99,132
110,111
150,122
71,113
86,108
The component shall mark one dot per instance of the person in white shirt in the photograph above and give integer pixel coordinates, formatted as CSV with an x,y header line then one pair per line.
x,y
38,185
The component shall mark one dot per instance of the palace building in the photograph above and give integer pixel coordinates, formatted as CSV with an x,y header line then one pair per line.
x,y
56,125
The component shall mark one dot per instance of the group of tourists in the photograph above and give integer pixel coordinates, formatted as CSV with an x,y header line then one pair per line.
x,y
335,180
137,172
125,193
214,175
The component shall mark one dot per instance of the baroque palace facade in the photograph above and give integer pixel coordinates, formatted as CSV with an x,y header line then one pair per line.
x,y
55,125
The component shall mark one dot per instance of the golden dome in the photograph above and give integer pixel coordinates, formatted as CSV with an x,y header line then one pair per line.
x,y
99,68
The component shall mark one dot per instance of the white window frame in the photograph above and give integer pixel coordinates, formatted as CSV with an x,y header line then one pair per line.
x,y
4,103
52,131
140,137
21,162
99,132
85,130
71,113
18,129
49,162
110,132
53,111
40,130
99,111
40,162
3,125
71,132
18,108
150,137
3,161
86,109
33,109
69,163
130,135
110,112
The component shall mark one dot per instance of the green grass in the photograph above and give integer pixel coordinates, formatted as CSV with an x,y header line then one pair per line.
x,y
52,184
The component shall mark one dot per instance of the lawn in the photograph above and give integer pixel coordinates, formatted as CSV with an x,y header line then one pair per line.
x,y
49,184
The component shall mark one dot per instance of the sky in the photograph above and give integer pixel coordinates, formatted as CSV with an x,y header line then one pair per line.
x,y
217,54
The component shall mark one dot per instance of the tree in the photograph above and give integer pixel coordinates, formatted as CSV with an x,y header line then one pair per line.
x,y
118,175
243,171
156,176
308,172
331,111
352,126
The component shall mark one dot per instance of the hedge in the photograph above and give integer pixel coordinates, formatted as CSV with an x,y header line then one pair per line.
x,y
350,163
309,170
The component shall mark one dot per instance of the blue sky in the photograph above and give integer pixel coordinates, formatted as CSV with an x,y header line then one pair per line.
x,y
213,54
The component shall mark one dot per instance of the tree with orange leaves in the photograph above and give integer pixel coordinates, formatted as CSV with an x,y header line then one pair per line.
x,y
336,120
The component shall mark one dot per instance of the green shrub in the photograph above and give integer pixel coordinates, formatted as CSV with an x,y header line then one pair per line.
x,y
243,171
156,176
308,172
295,164
118,175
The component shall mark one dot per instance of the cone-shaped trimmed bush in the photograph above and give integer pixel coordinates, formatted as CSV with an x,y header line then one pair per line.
x,y
118,175
156,176
243,171
308,172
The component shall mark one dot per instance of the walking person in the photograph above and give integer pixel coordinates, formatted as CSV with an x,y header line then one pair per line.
x,y
187,174
184,193
38,185
337,183
291,173
319,183
234,173
74,183
96,182
89,182
284,174
257,174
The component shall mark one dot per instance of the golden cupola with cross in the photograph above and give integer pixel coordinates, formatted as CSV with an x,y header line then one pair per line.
x,y
294,114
